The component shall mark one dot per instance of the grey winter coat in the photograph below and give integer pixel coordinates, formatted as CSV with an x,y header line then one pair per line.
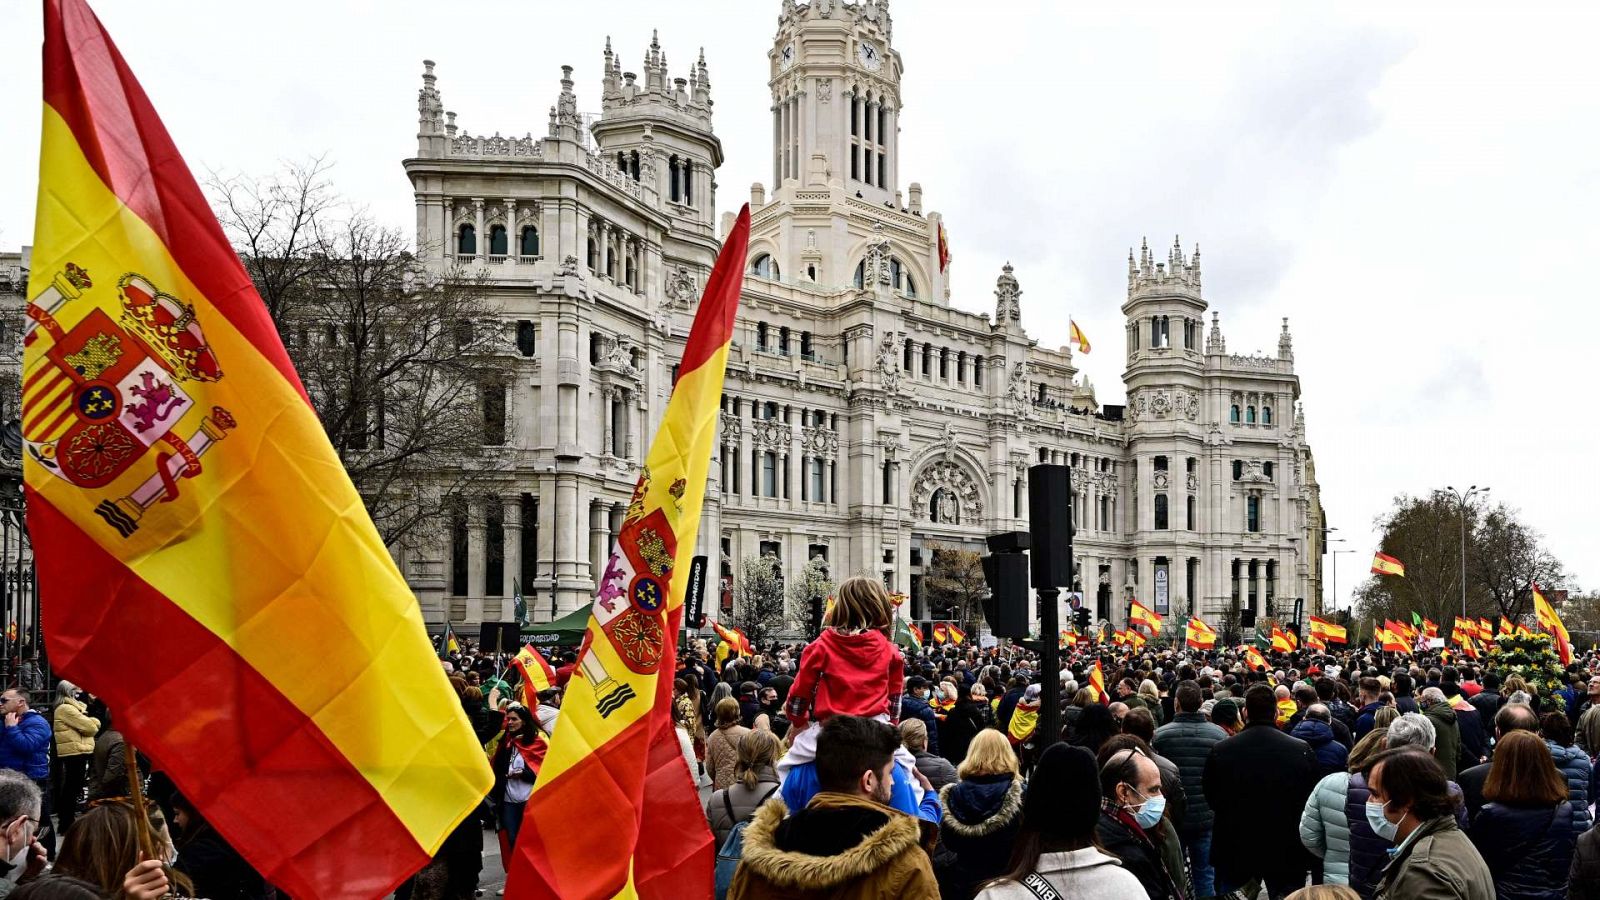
x,y
1187,741
1576,768
743,800
1325,827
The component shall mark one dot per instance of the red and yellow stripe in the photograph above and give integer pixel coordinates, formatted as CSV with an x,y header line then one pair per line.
x,y
1144,615
254,634
642,832
1384,564
1328,631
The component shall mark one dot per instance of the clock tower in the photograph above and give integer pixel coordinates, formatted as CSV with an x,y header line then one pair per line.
x,y
836,98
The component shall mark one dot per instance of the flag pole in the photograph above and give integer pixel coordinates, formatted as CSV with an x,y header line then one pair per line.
x,y
141,818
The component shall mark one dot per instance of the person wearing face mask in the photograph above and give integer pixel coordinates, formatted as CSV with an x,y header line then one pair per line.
x,y
1131,808
1410,805
19,823
847,843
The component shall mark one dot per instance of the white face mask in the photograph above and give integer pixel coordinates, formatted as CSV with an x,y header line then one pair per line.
x,y
18,860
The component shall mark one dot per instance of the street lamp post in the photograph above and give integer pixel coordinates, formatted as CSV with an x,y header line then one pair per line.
x,y
1462,499
1334,569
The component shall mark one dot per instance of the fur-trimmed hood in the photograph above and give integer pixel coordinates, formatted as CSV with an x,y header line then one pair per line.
x,y
772,844
974,808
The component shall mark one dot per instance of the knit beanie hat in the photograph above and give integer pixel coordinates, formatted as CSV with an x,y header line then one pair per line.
x,y
1063,798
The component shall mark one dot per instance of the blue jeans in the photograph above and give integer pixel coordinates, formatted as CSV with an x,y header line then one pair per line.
x,y
511,821
1199,846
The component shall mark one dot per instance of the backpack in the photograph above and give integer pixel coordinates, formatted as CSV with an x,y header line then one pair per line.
x,y
732,849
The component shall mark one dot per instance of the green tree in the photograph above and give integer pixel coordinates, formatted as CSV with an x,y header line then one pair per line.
x,y
955,586
808,593
1505,556
758,602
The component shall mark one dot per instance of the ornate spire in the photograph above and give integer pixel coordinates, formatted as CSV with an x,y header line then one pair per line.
x,y
1214,341
429,105
1285,343
1007,307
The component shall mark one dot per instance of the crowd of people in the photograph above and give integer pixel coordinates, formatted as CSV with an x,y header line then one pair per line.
x,y
1351,773
849,767
72,826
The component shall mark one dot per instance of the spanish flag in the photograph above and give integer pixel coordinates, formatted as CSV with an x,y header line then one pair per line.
x,y
734,638
1199,635
941,632
1282,641
1485,629
1254,659
206,565
1550,622
1384,564
537,676
957,636
1069,638
642,831
1392,637
944,248
1505,627
1097,683
1314,641
1143,615
1078,337
1328,631
1136,639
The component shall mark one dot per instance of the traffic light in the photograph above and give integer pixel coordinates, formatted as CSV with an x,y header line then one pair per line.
x,y
1081,619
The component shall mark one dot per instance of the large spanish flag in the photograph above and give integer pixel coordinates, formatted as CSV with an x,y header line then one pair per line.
x,y
1199,635
615,811
204,562
1328,631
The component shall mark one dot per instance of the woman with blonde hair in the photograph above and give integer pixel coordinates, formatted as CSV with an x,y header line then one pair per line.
x,y
1151,695
982,812
1385,716
102,848
754,779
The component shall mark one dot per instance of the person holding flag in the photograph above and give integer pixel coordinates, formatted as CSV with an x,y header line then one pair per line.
x,y
204,556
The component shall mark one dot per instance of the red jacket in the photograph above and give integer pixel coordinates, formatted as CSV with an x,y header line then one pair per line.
x,y
846,674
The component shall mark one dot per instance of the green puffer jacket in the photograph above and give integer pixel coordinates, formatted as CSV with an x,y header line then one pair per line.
x,y
1325,827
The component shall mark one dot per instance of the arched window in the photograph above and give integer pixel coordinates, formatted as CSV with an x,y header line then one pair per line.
x,y
1266,415
1233,414
765,266
467,240
860,278
497,240
900,277
530,241
594,255
1249,415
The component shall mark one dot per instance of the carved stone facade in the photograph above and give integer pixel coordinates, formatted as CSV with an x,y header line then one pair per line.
x,y
865,419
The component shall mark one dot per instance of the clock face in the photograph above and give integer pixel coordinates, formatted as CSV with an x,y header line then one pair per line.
x,y
786,57
870,56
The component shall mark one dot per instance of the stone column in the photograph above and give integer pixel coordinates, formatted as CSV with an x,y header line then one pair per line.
x,y
568,565
479,251
633,411
476,540
598,534
511,517
447,235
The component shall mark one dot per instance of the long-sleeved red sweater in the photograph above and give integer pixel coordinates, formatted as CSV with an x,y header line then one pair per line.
x,y
846,674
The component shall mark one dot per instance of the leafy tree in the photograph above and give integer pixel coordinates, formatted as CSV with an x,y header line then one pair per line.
x,y
1504,557
809,592
955,586
758,598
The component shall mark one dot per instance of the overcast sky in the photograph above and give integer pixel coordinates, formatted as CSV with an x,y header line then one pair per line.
x,y
1415,187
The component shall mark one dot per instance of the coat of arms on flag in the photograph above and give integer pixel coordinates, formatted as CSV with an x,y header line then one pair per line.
x,y
108,392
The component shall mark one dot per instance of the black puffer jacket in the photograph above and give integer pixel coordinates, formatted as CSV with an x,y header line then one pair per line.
x,y
1529,851
1187,741
981,817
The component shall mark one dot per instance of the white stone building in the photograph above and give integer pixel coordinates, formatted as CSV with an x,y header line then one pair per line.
x,y
865,418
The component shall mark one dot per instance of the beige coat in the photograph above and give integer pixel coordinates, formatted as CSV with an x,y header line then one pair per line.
x,y
74,729
1438,864
887,863
722,754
